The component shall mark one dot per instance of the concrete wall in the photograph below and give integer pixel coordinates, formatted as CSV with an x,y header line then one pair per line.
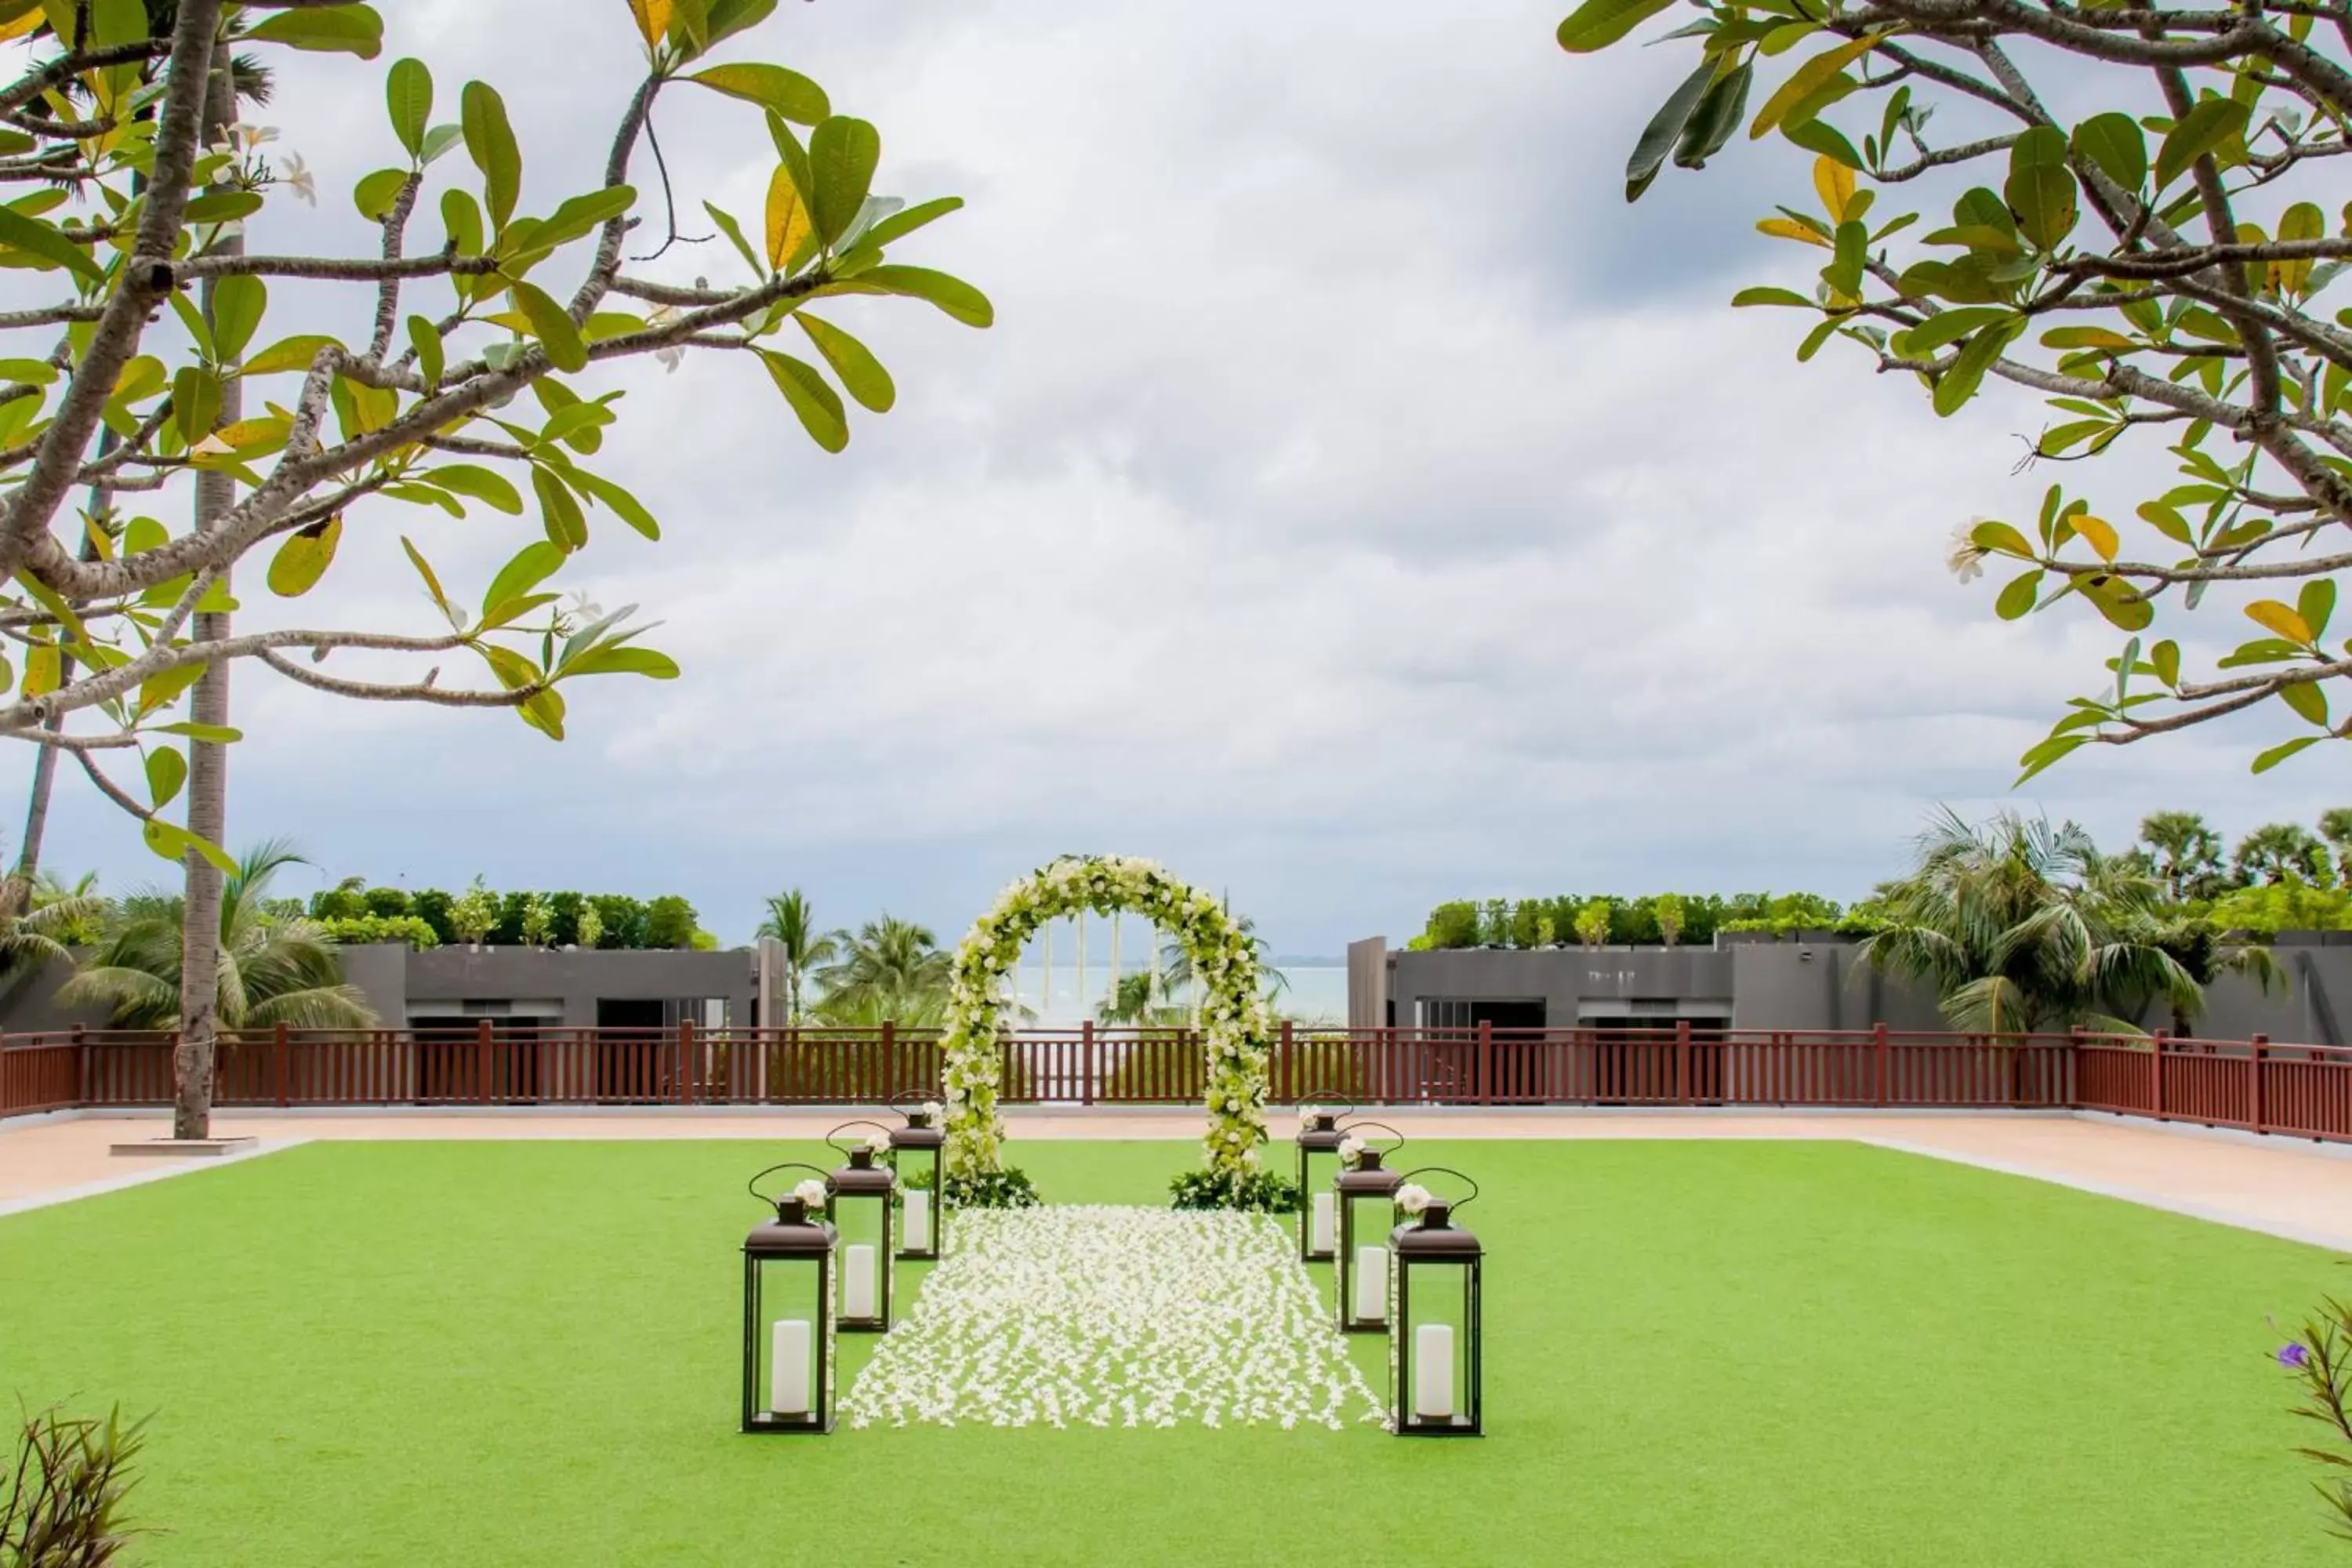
x,y
29,1005
1570,983
577,981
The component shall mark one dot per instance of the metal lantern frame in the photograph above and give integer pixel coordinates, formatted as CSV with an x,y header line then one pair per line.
x,y
791,1237
861,1180
1370,1179
1421,1251
924,1145
1317,1140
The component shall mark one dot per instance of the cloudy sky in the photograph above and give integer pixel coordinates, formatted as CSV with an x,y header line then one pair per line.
x,y
1355,505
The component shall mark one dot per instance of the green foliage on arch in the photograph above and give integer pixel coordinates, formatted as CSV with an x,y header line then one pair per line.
x,y
1234,1014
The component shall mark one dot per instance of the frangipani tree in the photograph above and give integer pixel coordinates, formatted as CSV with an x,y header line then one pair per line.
x,y
2146,212
466,384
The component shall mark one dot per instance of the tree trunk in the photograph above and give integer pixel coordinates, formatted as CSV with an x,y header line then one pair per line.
x,y
194,1056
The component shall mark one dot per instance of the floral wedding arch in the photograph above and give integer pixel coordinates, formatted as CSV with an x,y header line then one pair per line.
x,y
1235,1019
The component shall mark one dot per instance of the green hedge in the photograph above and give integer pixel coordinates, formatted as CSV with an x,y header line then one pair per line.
x,y
669,922
1632,922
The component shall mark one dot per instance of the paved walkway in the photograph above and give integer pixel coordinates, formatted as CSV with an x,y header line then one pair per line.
x,y
2298,1190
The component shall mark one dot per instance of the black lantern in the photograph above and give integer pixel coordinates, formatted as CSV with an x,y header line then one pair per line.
x,y
1318,1163
863,1197
788,1320
1435,1354
915,1155
1365,1190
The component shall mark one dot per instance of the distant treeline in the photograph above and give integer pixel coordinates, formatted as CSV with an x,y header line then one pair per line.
x,y
1610,919
352,912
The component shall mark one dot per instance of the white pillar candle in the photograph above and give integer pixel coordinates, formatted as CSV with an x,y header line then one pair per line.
x,y
1433,1372
1371,1284
857,1281
918,1221
1318,1232
788,1369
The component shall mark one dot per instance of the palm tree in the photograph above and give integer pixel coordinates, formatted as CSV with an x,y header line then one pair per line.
x,y
273,970
2185,855
2277,850
59,920
1176,963
2022,926
793,923
2335,826
1138,1002
890,968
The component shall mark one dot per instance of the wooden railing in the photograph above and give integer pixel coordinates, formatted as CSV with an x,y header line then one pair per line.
x,y
2305,1091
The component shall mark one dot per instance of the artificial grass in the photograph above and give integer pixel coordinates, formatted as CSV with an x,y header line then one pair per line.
x,y
1699,1353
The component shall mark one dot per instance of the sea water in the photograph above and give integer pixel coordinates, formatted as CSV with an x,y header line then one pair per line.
x,y
1315,995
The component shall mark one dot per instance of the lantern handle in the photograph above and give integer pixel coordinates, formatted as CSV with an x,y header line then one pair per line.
x,y
753,1184
1451,1204
1357,1127
845,1127
1327,1096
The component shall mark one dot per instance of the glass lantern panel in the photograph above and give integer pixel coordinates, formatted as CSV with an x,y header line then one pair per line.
x,y
919,1199
789,1339
1436,1298
1318,1199
1369,1219
860,1257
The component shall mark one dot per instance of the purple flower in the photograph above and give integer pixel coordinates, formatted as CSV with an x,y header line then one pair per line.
x,y
2293,1354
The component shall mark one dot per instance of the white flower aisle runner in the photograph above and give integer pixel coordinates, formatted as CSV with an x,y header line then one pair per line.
x,y
1076,1315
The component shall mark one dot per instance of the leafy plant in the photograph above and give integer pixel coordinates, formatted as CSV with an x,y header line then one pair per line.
x,y
1263,1191
2288,905
537,920
1453,925
358,929
1494,923
473,914
2183,854
386,902
669,922
61,1499
1592,923
2278,850
590,929
2320,1360
1009,1188
2147,272
1666,909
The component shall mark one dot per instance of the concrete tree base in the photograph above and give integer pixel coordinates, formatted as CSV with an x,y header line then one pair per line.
x,y
188,1148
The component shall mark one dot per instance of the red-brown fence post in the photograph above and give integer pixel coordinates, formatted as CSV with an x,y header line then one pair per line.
x,y
85,1068
1486,1061
2155,1075
889,1048
1880,1053
482,1061
1682,1062
1086,1061
1286,1077
685,1061
2254,1065
280,1051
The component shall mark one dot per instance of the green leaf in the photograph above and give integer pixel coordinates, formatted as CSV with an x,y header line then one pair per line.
x,y
2000,536
1959,380
461,219
490,141
900,224
1815,339
843,153
408,95
1597,24
2017,600
2122,604
534,563
953,295
626,506
304,558
167,770
567,525
2307,700
426,341
221,207
238,305
1821,136
169,839
375,193
2208,124
1665,129
218,734
1807,80
853,362
159,690
2316,604
787,92
2280,753
432,581
347,29
287,354
2041,188
1746,297
1716,118
625,661
1949,327
196,402
553,327
38,239
2048,752
734,232
581,213
818,407
2116,143
482,484
2166,659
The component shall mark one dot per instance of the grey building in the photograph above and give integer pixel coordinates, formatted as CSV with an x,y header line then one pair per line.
x,y
449,987
1743,983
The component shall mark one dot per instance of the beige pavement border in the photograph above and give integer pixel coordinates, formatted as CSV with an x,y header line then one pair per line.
x,y
2298,1190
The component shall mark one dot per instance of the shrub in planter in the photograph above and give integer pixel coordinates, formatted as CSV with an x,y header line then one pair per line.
x,y
1260,1192
1007,1189
383,927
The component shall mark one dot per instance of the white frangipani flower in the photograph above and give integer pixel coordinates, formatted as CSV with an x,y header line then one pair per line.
x,y
1965,559
674,355
296,176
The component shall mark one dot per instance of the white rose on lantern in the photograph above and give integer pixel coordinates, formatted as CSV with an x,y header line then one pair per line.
x,y
1351,1148
878,1143
810,1194
1413,1197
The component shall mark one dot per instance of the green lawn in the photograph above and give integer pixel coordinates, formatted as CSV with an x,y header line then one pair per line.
x,y
1709,1352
